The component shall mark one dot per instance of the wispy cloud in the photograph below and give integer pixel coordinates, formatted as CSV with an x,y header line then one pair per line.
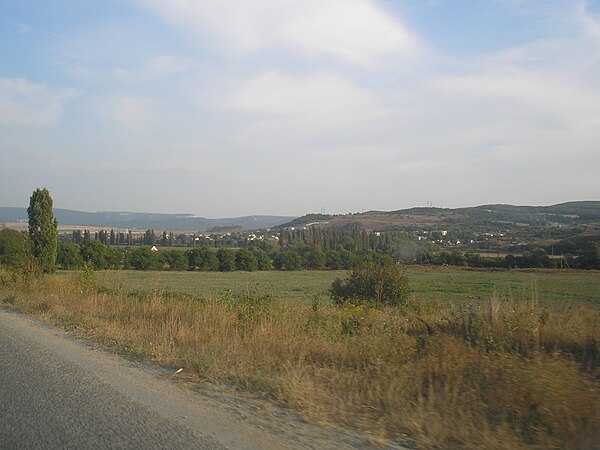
x,y
282,111
25,103
22,28
357,32
322,95
589,20
169,65
131,113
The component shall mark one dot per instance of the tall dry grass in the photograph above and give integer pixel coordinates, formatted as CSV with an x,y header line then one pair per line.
x,y
499,374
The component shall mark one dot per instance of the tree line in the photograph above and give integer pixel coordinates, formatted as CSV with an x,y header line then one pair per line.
x,y
150,237
311,248
15,250
250,258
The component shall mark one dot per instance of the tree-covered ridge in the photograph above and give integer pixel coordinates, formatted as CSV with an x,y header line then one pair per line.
x,y
571,212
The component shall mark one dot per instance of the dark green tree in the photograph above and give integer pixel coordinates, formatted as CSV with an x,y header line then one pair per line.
x,y
68,256
203,259
143,258
226,260
95,253
590,259
14,248
314,259
176,260
149,237
333,260
43,230
263,262
288,259
245,260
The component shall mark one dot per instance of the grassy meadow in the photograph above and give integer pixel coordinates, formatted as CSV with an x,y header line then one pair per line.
x,y
476,359
439,283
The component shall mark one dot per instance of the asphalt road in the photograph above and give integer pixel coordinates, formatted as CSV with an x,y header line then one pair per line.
x,y
58,392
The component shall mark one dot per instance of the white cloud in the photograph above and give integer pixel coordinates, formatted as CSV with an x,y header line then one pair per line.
x,y
283,111
547,94
23,28
25,103
589,21
321,95
132,113
169,65
353,31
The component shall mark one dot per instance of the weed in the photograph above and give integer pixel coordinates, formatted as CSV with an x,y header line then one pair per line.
x,y
500,372
9,300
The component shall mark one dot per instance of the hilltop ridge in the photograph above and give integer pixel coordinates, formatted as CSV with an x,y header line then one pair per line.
x,y
577,212
158,221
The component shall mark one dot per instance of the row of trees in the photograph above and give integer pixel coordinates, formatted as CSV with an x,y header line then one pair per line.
x,y
150,237
310,248
255,257
296,256
101,256
324,239
537,258
16,249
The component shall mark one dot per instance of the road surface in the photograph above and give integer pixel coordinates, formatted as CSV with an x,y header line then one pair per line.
x,y
59,392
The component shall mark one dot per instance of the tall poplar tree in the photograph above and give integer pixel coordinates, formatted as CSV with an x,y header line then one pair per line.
x,y
43,230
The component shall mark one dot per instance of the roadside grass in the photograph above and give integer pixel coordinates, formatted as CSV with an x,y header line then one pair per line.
x,y
500,372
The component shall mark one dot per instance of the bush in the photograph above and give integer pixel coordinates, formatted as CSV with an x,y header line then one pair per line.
x,y
372,283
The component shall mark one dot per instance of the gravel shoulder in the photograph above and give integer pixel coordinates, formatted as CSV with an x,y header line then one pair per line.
x,y
57,390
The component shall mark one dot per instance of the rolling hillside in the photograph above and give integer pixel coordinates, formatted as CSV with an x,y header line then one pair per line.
x,y
172,222
479,217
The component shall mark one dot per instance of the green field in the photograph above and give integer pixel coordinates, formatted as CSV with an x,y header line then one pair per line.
x,y
426,283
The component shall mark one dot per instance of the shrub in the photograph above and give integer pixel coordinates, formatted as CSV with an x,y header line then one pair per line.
x,y
372,283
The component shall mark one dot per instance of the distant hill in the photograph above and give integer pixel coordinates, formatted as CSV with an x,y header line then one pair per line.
x,y
478,217
171,222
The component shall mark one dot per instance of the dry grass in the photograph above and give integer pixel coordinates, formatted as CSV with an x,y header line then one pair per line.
x,y
499,374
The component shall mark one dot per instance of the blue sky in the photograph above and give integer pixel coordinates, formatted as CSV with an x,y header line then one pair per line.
x,y
226,108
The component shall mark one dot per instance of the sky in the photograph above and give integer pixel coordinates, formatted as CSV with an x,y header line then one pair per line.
x,y
224,108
